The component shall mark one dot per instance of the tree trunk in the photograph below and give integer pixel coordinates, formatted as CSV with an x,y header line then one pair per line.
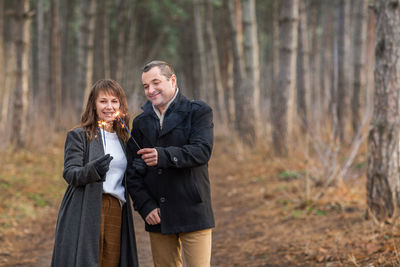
x,y
42,82
343,68
227,62
216,69
69,57
304,81
360,40
106,41
131,69
252,64
21,91
55,76
326,60
275,43
2,61
198,11
121,20
370,60
283,97
316,106
244,113
88,44
383,141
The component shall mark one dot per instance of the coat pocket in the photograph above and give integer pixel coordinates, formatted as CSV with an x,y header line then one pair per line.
x,y
193,191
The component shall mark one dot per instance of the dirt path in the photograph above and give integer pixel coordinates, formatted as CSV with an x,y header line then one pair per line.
x,y
261,220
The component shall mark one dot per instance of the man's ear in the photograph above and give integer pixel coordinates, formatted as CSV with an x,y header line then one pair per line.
x,y
173,79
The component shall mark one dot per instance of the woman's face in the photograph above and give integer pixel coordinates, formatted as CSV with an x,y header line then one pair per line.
x,y
106,106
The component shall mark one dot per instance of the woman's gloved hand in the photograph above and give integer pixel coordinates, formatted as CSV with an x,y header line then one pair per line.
x,y
102,165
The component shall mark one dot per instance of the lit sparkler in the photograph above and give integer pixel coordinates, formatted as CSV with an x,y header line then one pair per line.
x,y
101,125
116,115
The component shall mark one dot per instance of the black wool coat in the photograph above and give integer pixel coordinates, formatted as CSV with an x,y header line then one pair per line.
x,y
179,185
79,219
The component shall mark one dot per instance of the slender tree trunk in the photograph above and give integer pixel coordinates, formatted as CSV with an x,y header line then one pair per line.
x,y
69,57
43,60
21,91
304,81
9,83
244,112
343,68
98,50
275,43
383,141
316,106
283,97
131,69
220,105
370,61
252,64
106,41
88,47
2,61
198,11
360,41
326,60
226,61
121,20
55,56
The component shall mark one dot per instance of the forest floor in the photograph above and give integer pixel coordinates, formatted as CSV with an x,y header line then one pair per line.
x,y
261,216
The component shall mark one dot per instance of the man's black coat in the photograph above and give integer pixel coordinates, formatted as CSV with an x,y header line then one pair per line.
x,y
179,184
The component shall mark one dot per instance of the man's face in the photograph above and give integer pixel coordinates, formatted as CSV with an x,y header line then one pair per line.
x,y
157,88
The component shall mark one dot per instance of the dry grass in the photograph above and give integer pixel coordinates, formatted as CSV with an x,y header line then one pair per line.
x,y
262,214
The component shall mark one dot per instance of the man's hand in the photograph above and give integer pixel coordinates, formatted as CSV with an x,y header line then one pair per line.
x,y
149,155
153,217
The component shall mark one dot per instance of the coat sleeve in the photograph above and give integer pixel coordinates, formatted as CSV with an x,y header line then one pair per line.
x,y
143,202
198,150
76,172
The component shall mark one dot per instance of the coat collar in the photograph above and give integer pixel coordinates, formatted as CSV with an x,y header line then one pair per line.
x,y
174,115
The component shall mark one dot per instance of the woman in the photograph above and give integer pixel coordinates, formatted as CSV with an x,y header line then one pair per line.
x,y
95,225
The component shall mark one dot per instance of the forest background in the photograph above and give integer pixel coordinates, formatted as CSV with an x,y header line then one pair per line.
x,y
305,99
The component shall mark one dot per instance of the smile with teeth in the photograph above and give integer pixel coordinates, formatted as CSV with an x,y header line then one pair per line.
x,y
108,114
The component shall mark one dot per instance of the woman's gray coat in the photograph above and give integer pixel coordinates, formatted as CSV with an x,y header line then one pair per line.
x,y
78,225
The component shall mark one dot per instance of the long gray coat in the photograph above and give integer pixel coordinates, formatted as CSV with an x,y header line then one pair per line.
x,y
78,225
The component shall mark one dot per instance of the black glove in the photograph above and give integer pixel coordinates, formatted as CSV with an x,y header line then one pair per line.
x,y
139,165
102,165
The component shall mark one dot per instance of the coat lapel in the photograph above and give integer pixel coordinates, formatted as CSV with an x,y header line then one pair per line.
x,y
176,113
96,148
150,124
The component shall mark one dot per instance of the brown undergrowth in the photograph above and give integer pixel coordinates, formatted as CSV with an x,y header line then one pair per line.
x,y
263,217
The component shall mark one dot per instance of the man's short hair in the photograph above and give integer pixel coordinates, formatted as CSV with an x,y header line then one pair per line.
x,y
165,69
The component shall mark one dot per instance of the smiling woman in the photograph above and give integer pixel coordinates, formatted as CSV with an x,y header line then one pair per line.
x,y
95,225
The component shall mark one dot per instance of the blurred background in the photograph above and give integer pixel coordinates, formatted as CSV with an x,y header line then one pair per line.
x,y
291,83
267,68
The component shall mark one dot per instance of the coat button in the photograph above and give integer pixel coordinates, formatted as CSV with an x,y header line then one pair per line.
x,y
159,171
175,159
162,199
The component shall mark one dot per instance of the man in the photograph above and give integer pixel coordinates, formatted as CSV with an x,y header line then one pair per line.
x,y
168,178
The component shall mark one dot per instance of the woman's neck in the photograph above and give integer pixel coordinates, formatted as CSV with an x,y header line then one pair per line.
x,y
108,127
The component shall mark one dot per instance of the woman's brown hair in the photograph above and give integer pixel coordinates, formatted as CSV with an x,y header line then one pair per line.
x,y
89,119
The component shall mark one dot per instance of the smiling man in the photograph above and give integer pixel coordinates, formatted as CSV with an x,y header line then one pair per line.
x,y
168,178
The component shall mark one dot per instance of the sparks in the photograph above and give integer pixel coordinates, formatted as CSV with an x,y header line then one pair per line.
x,y
116,115
101,125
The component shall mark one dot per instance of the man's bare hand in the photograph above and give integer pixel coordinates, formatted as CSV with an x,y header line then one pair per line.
x,y
149,155
153,217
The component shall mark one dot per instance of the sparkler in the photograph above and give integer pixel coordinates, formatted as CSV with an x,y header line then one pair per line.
x,y
116,114
102,124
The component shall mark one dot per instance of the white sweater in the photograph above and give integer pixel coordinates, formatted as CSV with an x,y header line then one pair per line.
x,y
115,175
